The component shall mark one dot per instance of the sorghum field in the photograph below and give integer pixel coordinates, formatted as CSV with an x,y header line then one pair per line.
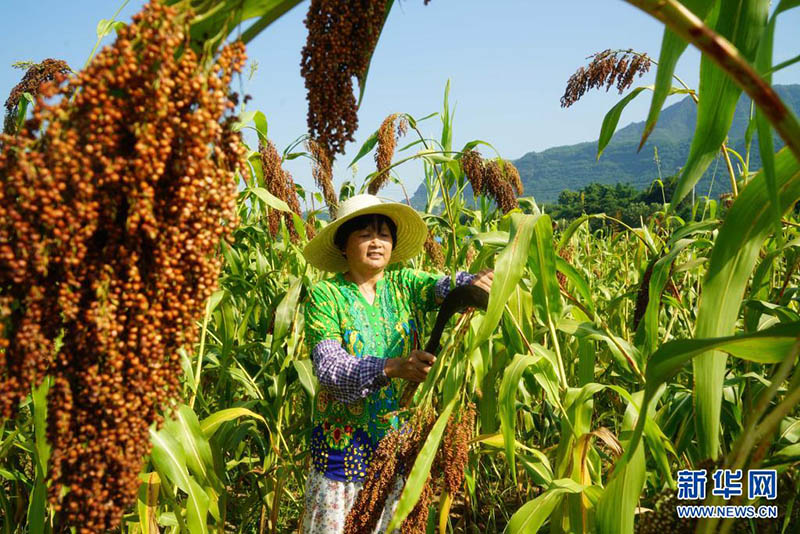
x,y
153,371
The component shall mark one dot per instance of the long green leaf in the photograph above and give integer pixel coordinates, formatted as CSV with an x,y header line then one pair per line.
x,y
532,515
270,200
742,23
615,509
306,376
581,286
508,401
272,11
187,429
736,250
771,345
210,424
611,120
368,145
362,78
542,261
508,271
285,311
37,506
672,47
422,468
766,145
647,334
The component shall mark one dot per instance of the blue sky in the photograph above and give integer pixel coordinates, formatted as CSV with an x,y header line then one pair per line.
x,y
508,62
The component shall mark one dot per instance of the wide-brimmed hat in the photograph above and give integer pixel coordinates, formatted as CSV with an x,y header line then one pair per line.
x,y
322,253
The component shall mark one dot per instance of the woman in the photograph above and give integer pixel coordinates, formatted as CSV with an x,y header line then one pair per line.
x,y
362,329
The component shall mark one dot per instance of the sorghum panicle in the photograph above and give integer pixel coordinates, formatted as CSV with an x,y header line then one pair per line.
x,y
33,79
322,171
112,206
384,153
497,187
455,448
472,165
495,178
434,250
607,68
417,520
371,500
394,457
280,184
341,38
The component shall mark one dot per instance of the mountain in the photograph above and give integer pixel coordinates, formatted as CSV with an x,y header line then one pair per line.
x,y
545,174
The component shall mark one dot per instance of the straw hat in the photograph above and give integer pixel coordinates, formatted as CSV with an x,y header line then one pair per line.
x,y
322,253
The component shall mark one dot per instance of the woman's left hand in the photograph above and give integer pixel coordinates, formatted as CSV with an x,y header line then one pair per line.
x,y
484,279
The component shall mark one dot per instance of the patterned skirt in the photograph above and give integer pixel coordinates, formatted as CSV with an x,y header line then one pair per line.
x,y
327,503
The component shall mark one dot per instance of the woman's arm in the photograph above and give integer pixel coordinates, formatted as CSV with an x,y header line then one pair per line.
x,y
483,280
463,278
347,377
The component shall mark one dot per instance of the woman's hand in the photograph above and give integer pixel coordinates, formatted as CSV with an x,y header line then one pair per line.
x,y
414,368
484,279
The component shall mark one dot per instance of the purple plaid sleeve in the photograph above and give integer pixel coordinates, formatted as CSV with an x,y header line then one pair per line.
x,y
463,278
348,378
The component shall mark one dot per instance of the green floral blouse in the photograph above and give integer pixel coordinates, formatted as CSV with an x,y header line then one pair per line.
x,y
345,435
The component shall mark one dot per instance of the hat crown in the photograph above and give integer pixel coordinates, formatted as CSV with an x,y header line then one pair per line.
x,y
355,203
411,231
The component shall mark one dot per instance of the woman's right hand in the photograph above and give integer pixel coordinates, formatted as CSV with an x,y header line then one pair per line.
x,y
414,368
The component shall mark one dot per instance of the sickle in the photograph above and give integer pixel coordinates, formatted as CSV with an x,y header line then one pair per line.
x,y
457,301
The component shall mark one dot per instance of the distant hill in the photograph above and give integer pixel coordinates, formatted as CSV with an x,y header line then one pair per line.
x,y
545,174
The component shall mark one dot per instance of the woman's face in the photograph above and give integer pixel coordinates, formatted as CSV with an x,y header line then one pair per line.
x,y
368,249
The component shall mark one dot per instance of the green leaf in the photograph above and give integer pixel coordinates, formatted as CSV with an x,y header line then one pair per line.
x,y
733,258
672,47
766,144
368,145
210,424
147,503
647,333
270,200
764,346
422,468
244,118
197,509
37,506
542,261
741,22
508,271
260,120
362,78
611,119
187,429
617,504
169,459
573,227
508,404
532,515
306,376
271,11
581,286
214,300
284,313
104,27
770,345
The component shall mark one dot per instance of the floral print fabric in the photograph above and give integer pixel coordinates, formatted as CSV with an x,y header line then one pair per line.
x,y
345,435
327,503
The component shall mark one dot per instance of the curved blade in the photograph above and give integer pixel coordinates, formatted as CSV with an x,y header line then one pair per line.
x,y
457,301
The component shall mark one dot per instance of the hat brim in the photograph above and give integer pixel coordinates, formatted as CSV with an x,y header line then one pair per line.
x,y
322,253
